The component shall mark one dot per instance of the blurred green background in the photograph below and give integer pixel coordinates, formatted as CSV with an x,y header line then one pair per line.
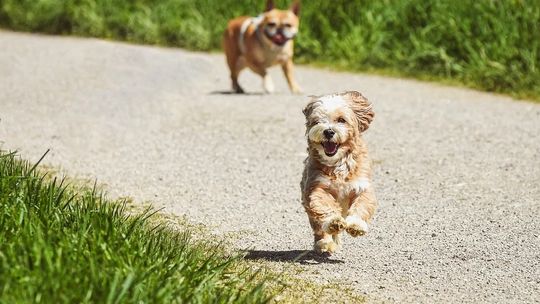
x,y
489,45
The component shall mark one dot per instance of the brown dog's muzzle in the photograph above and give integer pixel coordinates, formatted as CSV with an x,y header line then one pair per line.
x,y
280,37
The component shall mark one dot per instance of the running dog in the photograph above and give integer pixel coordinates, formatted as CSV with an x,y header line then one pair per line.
x,y
261,42
337,192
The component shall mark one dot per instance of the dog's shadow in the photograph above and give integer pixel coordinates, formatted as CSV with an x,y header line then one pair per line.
x,y
234,93
296,256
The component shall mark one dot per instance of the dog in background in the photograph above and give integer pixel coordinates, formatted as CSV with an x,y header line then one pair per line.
x,y
261,42
337,192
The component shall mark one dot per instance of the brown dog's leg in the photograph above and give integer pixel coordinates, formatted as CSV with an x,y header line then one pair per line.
x,y
325,219
360,212
237,66
268,84
323,242
288,71
234,59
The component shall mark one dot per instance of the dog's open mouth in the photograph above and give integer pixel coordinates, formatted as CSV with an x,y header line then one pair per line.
x,y
279,39
330,148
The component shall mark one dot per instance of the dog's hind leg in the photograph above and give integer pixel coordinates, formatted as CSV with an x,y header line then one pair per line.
x,y
238,66
325,219
235,60
324,243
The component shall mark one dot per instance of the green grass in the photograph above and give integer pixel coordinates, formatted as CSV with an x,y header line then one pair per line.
x,y
58,245
486,44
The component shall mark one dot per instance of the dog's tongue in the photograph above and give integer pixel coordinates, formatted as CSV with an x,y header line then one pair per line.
x,y
329,147
279,38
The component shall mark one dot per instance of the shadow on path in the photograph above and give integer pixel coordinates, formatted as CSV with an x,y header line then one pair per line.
x,y
234,93
296,256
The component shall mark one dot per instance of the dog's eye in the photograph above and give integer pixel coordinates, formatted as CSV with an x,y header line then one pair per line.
x,y
287,25
272,24
341,120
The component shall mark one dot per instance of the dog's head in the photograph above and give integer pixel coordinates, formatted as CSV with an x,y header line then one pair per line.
x,y
334,124
280,26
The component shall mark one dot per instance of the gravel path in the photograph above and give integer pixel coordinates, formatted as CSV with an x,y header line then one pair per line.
x,y
457,172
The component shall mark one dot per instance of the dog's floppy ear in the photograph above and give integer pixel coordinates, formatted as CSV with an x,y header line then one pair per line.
x,y
310,106
269,5
295,7
309,109
362,108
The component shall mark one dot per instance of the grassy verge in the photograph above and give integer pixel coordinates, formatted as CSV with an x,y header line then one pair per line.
x,y
58,245
489,45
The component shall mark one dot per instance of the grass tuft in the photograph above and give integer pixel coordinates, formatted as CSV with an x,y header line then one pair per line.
x,y
58,245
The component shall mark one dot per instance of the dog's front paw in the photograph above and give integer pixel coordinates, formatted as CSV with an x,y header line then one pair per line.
x,y
334,225
356,226
268,84
296,90
326,246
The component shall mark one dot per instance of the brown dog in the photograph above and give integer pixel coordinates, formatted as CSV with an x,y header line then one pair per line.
x,y
337,192
261,42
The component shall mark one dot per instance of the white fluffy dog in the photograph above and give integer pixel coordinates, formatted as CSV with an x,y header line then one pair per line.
x,y
337,193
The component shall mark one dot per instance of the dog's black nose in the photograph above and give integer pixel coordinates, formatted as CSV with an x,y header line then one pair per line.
x,y
329,133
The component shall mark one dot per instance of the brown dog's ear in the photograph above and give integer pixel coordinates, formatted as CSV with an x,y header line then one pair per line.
x,y
295,7
362,108
269,5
